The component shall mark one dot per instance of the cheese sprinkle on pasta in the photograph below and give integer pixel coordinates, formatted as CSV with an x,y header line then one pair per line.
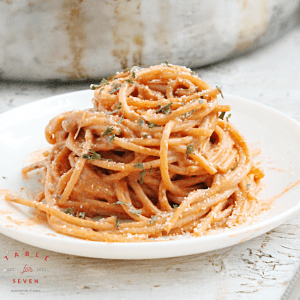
x,y
154,157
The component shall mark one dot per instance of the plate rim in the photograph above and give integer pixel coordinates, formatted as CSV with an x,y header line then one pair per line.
x,y
235,232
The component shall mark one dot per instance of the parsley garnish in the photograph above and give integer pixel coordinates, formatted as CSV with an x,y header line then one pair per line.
x,y
222,114
151,124
108,131
196,89
127,69
145,135
135,211
164,109
153,219
115,110
104,81
141,122
219,89
107,159
189,150
141,180
227,118
133,74
167,64
115,88
82,215
69,211
193,73
129,81
120,120
122,203
139,165
117,222
110,138
94,86
91,155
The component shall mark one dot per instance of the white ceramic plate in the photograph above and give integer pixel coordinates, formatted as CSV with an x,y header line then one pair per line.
x,y
22,132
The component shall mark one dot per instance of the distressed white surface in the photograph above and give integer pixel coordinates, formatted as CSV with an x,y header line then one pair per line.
x,y
258,269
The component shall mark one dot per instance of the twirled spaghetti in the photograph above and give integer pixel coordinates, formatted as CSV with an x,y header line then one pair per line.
x,y
153,158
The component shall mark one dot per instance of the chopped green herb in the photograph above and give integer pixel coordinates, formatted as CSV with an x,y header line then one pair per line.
x,y
139,165
82,215
227,118
104,81
129,81
117,223
108,131
196,89
135,211
122,203
164,109
141,180
91,155
107,159
108,134
189,150
94,86
248,186
145,135
115,110
110,138
151,124
220,91
127,69
133,74
110,77
151,169
167,64
69,211
193,73
121,119
141,122
153,219
120,131
115,88
222,114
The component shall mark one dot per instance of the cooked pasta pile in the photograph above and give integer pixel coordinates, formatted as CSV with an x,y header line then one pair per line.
x,y
155,157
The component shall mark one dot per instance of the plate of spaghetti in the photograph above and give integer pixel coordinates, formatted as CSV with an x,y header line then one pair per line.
x,y
151,163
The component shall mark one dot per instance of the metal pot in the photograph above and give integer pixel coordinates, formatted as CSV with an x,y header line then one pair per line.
x,y
77,39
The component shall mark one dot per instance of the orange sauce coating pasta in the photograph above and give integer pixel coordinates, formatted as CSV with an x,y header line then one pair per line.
x,y
152,158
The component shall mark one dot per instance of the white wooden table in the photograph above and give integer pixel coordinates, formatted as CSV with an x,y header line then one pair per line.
x,y
258,269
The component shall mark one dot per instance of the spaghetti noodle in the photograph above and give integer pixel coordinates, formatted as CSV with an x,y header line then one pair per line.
x,y
155,157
